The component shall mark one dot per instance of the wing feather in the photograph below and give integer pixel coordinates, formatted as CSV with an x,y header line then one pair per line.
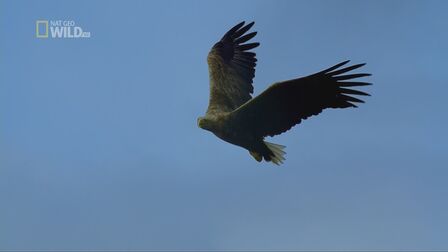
x,y
287,103
231,69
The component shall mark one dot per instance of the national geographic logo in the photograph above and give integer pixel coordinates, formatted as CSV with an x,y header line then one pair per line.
x,y
60,29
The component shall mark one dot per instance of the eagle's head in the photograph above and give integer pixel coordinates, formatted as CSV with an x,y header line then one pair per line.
x,y
204,123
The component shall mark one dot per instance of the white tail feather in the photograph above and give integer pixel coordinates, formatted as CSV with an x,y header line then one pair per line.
x,y
277,149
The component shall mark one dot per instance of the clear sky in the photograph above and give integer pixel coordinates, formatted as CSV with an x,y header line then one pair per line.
x,y
99,147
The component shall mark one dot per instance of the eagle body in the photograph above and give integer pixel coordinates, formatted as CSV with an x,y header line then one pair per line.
x,y
237,118
234,131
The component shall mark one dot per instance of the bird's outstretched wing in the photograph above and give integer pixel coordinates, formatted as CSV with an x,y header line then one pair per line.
x,y
231,69
286,103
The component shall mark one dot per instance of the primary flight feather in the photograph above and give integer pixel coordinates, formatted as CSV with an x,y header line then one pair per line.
x,y
235,117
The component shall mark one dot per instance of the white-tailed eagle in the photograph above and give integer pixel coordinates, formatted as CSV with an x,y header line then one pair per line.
x,y
235,117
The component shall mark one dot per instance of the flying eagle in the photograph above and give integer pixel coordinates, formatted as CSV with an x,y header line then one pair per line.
x,y
235,117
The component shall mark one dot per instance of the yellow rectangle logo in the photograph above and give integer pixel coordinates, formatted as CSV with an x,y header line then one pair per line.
x,y
39,30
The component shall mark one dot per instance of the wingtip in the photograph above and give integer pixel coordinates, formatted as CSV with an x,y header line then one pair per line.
x,y
248,26
351,104
343,63
241,23
360,65
233,30
238,26
334,67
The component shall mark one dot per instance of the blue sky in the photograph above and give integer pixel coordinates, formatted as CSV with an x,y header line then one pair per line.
x,y
99,147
